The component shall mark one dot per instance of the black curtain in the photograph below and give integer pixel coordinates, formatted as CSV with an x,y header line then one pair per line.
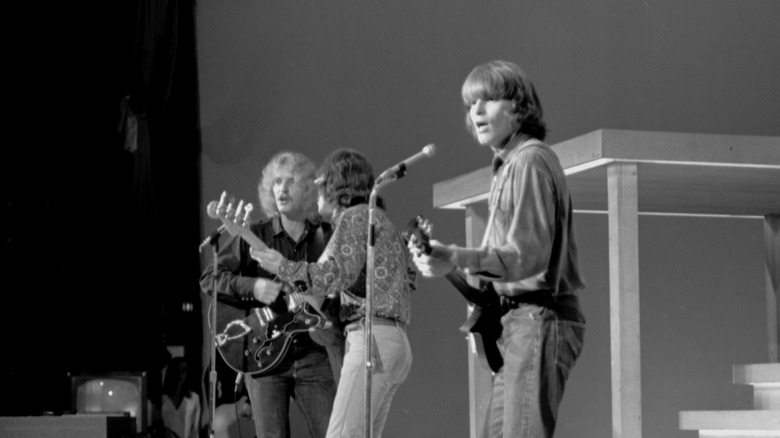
x,y
102,208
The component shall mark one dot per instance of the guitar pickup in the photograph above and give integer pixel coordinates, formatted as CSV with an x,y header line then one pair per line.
x,y
264,315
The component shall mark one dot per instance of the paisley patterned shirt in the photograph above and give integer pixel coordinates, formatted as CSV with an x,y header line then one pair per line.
x,y
342,268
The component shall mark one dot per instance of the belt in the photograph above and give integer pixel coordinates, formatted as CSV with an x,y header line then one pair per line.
x,y
377,320
566,306
536,298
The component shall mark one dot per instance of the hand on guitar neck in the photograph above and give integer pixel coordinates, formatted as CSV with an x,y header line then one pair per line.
x,y
432,258
484,322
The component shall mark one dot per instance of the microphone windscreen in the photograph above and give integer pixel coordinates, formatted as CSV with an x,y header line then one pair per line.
x,y
211,209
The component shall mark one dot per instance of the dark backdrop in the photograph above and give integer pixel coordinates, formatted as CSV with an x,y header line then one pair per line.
x,y
95,277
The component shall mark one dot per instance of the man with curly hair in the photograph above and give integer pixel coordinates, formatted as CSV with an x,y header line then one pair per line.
x,y
293,227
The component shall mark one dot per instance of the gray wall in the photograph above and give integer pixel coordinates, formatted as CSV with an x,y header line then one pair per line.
x,y
384,78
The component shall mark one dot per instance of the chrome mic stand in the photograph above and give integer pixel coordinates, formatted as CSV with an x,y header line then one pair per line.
x,y
368,335
214,241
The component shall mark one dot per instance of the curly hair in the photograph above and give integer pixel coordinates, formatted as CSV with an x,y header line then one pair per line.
x,y
346,178
303,168
497,80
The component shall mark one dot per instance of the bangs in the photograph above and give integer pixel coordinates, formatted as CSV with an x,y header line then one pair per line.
x,y
484,84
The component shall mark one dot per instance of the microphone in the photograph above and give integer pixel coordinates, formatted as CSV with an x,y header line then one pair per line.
x,y
399,170
211,211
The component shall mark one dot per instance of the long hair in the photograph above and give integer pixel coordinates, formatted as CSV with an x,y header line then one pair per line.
x,y
303,168
346,178
497,80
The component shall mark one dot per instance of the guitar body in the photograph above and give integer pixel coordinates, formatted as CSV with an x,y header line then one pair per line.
x,y
255,339
484,322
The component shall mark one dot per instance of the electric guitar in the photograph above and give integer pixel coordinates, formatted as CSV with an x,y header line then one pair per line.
x,y
484,322
251,337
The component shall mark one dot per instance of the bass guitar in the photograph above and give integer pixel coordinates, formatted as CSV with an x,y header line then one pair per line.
x,y
484,322
251,337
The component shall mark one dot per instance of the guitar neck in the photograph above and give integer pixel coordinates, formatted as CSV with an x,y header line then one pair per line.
x,y
252,239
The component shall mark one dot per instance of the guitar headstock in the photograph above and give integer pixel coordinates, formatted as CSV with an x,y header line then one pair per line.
x,y
418,235
235,218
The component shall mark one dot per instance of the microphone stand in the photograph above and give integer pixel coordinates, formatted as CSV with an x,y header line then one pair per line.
x,y
214,241
368,336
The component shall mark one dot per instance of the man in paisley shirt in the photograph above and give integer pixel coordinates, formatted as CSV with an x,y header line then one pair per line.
x,y
346,179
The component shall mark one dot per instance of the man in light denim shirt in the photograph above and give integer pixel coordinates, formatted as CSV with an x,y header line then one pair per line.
x,y
529,253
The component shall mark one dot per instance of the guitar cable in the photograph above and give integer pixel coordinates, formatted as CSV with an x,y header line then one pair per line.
x,y
236,398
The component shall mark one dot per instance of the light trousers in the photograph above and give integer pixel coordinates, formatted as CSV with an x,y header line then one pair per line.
x,y
391,370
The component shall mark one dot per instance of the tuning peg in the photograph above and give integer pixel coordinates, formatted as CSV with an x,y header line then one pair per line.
x,y
247,209
239,209
221,207
426,226
230,210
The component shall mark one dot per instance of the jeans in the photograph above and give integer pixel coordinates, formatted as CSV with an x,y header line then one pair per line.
x,y
309,381
539,350
395,360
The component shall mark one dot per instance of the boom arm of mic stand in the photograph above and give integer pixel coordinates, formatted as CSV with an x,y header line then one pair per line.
x,y
368,335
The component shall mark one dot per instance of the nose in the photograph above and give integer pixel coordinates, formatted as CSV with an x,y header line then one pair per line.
x,y
478,107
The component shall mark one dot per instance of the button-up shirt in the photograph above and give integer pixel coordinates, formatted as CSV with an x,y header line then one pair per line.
x,y
530,245
237,271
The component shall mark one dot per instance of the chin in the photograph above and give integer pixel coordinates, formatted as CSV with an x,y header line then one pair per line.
x,y
484,141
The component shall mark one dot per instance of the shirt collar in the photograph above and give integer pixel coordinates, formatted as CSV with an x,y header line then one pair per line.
x,y
279,229
510,150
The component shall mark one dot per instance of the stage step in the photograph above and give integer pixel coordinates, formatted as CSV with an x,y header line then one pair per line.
x,y
762,421
765,379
